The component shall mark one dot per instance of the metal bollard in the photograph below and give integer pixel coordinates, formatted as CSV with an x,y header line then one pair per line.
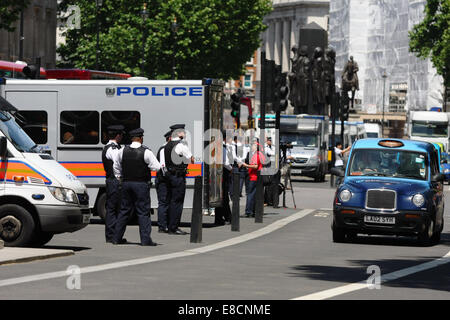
x,y
197,217
259,199
332,180
235,226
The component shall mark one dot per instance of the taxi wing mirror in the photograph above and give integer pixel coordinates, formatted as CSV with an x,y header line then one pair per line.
x,y
3,147
444,161
438,177
337,172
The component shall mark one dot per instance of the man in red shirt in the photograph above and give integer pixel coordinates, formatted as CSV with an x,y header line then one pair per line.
x,y
256,159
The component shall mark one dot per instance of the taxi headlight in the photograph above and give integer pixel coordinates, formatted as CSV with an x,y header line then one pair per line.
x,y
64,195
345,195
418,200
447,171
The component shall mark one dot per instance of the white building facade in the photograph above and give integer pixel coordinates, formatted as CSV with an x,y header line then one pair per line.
x,y
375,33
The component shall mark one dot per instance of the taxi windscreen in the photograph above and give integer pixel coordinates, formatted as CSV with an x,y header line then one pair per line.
x,y
388,163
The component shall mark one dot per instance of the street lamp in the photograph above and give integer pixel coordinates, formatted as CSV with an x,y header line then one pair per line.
x,y
98,3
144,15
384,89
174,28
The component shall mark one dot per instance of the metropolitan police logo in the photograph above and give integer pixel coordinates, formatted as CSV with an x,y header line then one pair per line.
x,y
110,92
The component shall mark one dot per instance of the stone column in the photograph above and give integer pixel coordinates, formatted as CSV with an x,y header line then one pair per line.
x,y
277,41
285,61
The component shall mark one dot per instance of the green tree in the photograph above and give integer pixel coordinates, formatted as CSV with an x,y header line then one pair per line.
x,y
212,38
431,37
9,12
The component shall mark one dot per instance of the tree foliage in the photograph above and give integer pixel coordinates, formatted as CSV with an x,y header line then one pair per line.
x,y
212,38
9,12
431,37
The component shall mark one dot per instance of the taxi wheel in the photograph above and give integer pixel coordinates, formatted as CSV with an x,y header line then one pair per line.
x,y
17,227
338,234
426,236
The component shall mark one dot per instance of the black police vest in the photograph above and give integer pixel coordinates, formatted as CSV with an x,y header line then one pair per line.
x,y
134,167
107,163
172,167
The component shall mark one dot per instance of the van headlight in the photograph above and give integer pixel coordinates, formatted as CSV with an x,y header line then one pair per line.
x,y
64,195
345,195
314,159
418,200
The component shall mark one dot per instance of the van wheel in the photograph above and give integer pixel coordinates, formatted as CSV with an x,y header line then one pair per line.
x,y
338,234
42,238
17,227
100,208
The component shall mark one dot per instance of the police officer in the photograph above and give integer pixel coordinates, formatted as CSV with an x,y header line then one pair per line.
x,y
109,155
223,213
177,156
135,162
162,188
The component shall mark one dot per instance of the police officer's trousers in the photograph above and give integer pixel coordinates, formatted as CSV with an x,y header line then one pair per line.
x,y
177,185
223,213
113,197
135,195
164,198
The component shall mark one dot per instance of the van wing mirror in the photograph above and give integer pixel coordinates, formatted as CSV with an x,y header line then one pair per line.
x,y
3,147
337,172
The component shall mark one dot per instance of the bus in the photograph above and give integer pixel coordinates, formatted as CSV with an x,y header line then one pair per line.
x,y
13,70
82,74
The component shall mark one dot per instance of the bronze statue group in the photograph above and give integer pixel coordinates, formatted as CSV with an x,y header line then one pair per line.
x,y
312,79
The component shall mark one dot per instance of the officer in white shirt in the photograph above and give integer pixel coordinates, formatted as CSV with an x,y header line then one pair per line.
x,y
223,213
112,183
177,156
136,163
162,188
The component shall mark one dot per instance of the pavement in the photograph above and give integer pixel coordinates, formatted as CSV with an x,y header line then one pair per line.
x,y
18,255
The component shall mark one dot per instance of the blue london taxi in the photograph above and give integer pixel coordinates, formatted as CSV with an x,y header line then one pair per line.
x,y
390,187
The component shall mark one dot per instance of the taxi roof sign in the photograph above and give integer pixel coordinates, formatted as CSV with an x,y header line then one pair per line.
x,y
391,143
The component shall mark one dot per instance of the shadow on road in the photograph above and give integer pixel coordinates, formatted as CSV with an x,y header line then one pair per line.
x,y
358,272
76,249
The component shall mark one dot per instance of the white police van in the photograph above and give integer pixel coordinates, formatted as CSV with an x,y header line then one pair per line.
x,y
69,118
38,196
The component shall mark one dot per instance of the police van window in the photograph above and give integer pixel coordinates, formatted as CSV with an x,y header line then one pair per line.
x,y
79,127
129,119
34,123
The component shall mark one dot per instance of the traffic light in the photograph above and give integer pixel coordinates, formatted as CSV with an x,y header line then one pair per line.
x,y
344,107
283,92
276,88
269,83
33,71
235,105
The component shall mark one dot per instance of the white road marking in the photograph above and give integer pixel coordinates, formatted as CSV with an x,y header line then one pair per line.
x,y
327,294
322,214
128,263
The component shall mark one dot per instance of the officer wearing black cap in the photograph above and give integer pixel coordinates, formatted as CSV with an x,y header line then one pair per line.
x,y
109,155
177,156
136,163
162,188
